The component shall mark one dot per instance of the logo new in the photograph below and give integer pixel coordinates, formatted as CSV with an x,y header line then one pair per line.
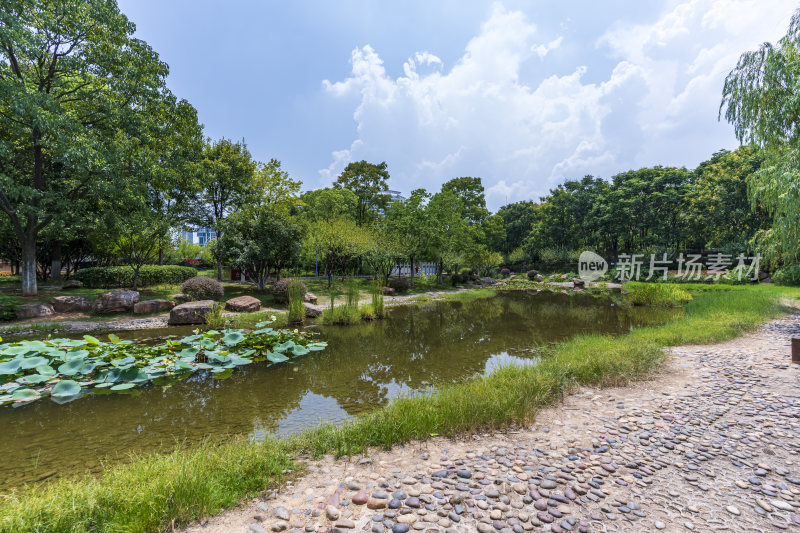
x,y
591,266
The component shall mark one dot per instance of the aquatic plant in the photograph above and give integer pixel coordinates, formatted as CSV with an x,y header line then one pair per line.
x,y
65,369
377,301
295,291
656,294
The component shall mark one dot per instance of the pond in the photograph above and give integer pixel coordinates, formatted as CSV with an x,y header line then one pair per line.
x,y
364,367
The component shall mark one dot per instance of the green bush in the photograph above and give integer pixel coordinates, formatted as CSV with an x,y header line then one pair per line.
x,y
656,294
788,275
122,276
7,312
399,284
280,289
203,288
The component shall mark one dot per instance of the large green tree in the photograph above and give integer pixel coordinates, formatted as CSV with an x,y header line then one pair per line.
x,y
77,99
761,98
228,183
368,183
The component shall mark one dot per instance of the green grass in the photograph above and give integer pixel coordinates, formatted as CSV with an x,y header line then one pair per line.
x,y
153,491
342,315
656,294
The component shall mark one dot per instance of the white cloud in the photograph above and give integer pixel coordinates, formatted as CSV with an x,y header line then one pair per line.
x,y
657,105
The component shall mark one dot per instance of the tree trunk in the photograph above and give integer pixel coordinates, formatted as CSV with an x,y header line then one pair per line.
x,y
135,278
412,270
219,271
28,270
160,253
55,265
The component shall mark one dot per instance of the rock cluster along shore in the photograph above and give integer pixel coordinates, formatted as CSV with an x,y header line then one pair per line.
x,y
712,445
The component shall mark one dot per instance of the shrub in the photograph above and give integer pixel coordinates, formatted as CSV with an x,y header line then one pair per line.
x,y
788,275
505,272
656,294
342,315
459,279
203,288
122,276
399,284
7,312
295,292
280,289
532,274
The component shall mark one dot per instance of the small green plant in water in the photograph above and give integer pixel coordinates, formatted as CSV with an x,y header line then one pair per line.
x,y
656,294
295,292
377,301
214,318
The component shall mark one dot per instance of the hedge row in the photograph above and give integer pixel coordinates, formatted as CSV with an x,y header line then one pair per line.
x,y
122,276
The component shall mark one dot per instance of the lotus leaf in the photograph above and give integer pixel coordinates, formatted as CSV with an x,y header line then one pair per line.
x,y
25,395
288,345
125,361
71,368
92,340
9,367
76,354
123,386
46,370
113,338
65,388
32,362
32,378
233,338
298,349
276,357
188,354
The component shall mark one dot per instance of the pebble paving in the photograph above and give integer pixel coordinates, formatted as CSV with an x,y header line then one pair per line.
x,y
712,444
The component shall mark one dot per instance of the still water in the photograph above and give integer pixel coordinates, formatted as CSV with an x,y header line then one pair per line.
x,y
363,368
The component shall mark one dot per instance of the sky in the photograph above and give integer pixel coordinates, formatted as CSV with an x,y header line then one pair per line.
x,y
524,94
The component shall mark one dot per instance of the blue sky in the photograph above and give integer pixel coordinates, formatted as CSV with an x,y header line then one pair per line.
x,y
523,94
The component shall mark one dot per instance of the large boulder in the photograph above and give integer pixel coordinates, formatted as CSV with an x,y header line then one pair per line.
x,y
72,284
486,280
310,298
243,304
191,312
115,302
388,291
181,297
71,304
313,311
578,283
152,306
34,310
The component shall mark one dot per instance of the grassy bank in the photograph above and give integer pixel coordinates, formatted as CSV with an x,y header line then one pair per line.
x,y
152,492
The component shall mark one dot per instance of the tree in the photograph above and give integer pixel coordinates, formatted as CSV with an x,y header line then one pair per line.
x,y
138,244
470,192
227,174
274,182
368,182
383,253
77,97
337,242
447,233
760,99
259,240
518,219
328,203
408,220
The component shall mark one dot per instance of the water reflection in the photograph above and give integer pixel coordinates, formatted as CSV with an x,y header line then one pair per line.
x,y
363,368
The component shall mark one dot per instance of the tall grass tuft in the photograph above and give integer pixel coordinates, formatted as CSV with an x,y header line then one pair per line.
x,y
214,318
656,294
377,301
341,315
295,293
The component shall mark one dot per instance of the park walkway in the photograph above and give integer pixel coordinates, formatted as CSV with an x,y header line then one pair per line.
x,y
712,444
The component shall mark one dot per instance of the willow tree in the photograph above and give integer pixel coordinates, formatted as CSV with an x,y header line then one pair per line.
x,y
761,98
78,95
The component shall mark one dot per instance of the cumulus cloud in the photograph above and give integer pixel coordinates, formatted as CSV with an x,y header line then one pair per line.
x,y
480,117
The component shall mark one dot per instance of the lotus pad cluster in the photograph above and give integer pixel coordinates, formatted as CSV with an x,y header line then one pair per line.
x,y
65,369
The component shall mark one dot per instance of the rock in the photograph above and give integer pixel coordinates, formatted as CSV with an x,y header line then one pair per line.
x,y
115,302
388,291
72,284
377,503
191,312
344,523
313,311
360,498
539,278
578,283
243,304
281,513
332,513
733,510
255,528
70,304
310,298
280,526
34,310
486,280
181,297
152,306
